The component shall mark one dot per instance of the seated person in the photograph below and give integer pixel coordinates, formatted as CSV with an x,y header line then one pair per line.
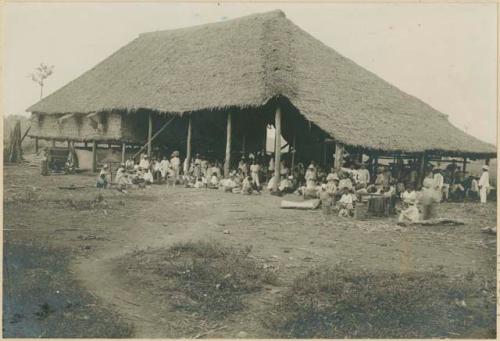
x,y
214,181
409,196
102,182
428,199
199,183
137,176
409,214
246,187
327,200
129,164
286,185
345,180
346,203
227,185
311,190
148,177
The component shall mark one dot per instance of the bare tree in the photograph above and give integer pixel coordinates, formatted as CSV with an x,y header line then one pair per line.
x,y
41,73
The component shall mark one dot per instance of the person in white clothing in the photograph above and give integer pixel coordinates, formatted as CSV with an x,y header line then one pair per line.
x,y
164,166
438,182
363,175
254,173
144,163
175,165
484,184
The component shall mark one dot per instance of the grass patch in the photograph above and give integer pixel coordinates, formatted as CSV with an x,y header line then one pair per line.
x,y
205,278
338,303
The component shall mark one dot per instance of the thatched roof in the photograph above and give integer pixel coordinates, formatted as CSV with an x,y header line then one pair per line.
x,y
247,61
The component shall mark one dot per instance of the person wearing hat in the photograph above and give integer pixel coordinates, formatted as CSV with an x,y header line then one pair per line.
x,y
484,184
144,163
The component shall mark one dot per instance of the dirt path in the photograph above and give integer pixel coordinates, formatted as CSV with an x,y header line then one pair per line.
x,y
290,241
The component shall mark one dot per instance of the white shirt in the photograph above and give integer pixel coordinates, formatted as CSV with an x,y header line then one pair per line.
x,y
363,176
484,181
144,164
346,198
175,162
409,197
148,177
254,168
438,180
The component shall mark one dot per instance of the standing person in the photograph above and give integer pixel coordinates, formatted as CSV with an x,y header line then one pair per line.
x,y
254,173
363,175
164,166
484,184
175,164
243,166
438,182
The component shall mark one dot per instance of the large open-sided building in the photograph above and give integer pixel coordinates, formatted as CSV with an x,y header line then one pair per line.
x,y
215,88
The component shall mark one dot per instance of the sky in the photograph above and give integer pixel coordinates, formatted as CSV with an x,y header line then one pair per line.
x,y
444,54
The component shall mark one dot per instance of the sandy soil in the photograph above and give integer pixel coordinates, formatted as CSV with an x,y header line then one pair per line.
x,y
96,239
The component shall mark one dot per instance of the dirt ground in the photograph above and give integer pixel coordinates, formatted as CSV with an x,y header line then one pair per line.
x,y
82,247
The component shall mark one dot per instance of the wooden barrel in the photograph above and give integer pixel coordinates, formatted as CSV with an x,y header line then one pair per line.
x,y
361,211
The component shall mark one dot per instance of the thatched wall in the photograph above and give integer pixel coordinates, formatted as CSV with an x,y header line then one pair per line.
x,y
77,127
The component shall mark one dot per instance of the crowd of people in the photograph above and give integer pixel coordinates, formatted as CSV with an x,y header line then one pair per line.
x,y
338,189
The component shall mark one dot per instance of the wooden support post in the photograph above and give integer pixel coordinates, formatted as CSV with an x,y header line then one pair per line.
x,y
36,144
85,144
325,146
53,143
293,150
464,165
421,175
69,145
187,162
227,161
277,149
123,151
339,156
264,140
94,156
150,133
243,144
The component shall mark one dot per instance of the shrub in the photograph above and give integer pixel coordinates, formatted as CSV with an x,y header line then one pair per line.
x,y
206,277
